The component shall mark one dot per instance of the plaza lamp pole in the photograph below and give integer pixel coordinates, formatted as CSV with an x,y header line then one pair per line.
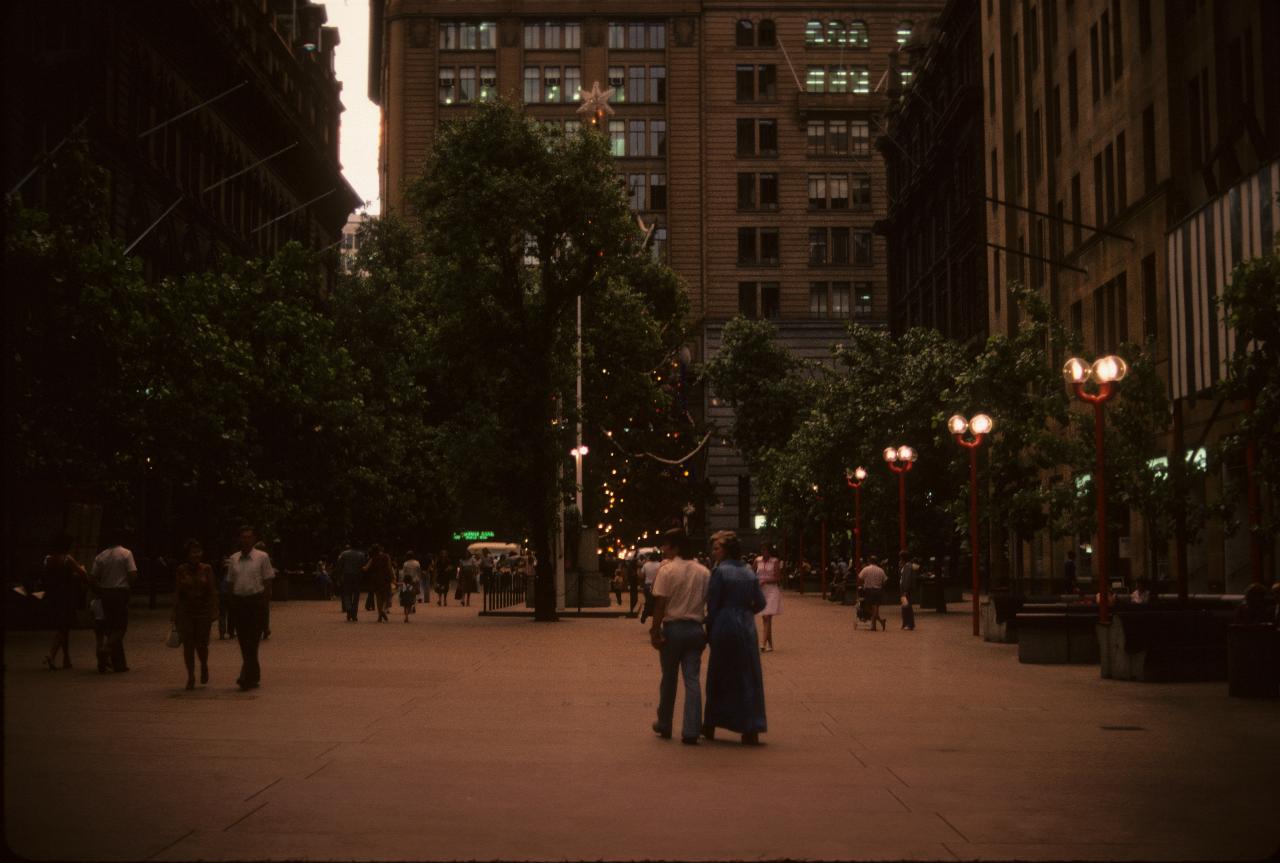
x,y
822,552
980,426
860,474
1104,373
900,460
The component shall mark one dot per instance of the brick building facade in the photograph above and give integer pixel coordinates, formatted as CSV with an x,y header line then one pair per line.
x,y
1133,145
743,131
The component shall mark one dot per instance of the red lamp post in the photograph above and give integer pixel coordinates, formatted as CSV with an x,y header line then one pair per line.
x,y
822,553
859,474
900,460
1105,373
981,425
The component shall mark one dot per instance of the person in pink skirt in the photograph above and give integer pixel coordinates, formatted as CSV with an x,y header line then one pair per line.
x,y
768,570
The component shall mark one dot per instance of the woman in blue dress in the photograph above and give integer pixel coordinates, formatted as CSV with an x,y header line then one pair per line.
x,y
735,686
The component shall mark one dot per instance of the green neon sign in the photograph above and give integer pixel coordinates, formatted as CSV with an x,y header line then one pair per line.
x,y
472,535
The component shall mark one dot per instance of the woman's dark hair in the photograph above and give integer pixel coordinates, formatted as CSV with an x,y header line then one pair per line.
x,y
678,540
189,545
375,549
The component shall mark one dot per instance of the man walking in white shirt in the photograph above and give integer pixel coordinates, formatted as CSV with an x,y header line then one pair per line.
x,y
650,570
680,605
111,578
249,571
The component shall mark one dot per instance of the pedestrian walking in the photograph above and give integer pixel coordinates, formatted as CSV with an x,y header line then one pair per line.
x,y
410,578
680,600
767,566
444,571
250,572
735,684
381,574
467,580
61,579
194,608
908,574
348,568
871,580
650,570
633,584
112,576
616,584
324,584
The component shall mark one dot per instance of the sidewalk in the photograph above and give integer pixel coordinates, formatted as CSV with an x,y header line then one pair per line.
x,y
461,737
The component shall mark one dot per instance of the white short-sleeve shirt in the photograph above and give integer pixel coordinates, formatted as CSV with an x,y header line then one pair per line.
x,y
111,567
249,573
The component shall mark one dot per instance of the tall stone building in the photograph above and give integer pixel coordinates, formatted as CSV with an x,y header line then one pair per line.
x,y
217,122
743,132
1132,149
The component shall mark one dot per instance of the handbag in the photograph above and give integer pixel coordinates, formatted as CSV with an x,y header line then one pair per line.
x,y
175,637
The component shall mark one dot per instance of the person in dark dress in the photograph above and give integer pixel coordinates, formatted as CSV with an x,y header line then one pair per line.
x,y
444,571
381,575
735,684
62,577
194,609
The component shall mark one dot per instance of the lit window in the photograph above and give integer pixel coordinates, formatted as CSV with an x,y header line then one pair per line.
x,y
840,297
635,191
838,79
817,191
572,83
551,84
468,37
488,30
467,84
635,35
835,33
448,90
904,33
813,34
617,138
861,79
448,37
838,189
532,84
860,138
618,81
488,83
532,36
816,80
856,36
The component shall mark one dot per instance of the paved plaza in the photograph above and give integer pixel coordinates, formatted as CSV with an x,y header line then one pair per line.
x,y
459,737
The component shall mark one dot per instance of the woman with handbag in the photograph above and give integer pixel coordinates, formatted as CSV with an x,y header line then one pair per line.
x,y
194,610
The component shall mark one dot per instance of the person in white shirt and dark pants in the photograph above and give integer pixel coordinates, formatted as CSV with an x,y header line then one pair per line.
x,y
111,577
250,573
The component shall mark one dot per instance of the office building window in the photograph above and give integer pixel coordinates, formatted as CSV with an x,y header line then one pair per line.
x,y
572,83
746,191
815,80
817,245
657,84
467,84
770,303
1095,67
657,191
818,301
635,191
862,248
862,300
860,138
756,83
532,84
617,36
657,36
448,86
572,127
635,35
635,84
658,138
841,299
840,246
816,138
488,83
617,138
814,34
551,91
573,36
766,34
855,36
758,300
1117,40
467,36
838,190
770,246
817,191
618,81
635,138
746,137
904,32
861,190
769,191
768,132
748,249
744,34
1073,91
658,245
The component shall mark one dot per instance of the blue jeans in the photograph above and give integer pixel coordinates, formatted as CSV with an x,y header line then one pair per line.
x,y
682,654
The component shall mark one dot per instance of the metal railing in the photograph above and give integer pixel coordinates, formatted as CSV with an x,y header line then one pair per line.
x,y
504,590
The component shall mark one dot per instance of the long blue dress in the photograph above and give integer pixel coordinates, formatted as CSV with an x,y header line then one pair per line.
x,y
735,685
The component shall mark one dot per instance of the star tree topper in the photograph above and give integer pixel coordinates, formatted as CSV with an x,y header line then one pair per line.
x,y
595,102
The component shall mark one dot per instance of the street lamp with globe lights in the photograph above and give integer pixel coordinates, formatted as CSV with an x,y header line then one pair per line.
x,y
1105,373
979,426
900,460
855,478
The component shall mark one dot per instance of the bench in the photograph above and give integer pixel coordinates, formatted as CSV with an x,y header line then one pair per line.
x,y
1063,637
1165,644
997,615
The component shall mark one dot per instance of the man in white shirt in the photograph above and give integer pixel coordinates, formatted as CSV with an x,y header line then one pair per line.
x,y
111,578
680,605
650,570
249,572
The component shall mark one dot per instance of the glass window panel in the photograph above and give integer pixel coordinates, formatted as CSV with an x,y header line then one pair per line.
x,y
635,138
860,138
746,191
744,34
532,84
838,137
769,245
657,191
904,33
488,83
838,79
617,138
488,33
635,35
817,245
770,303
746,83
635,84
658,84
766,34
657,137
572,84
835,33
817,191
617,36
551,84
467,37
768,86
657,36
551,36
746,137
861,79
816,80
618,81
747,299
448,88
768,137
818,299
573,36
862,190
572,127
532,36
813,34
448,37
862,248
769,191
467,84
816,138
839,245
838,188
856,35
746,245
862,299
635,191
840,299
659,244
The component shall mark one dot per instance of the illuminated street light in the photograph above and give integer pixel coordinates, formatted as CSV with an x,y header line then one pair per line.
x,y
1104,374
900,460
855,478
978,426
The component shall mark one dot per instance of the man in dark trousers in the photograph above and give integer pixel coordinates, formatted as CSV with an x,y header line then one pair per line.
x,y
250,573
347,569
908,573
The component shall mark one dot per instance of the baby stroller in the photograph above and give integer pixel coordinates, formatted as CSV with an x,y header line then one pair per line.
x,y
864,611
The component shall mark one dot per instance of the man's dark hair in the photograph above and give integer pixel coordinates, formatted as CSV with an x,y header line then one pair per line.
x,y
247,527
871,558
904,555
678,540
